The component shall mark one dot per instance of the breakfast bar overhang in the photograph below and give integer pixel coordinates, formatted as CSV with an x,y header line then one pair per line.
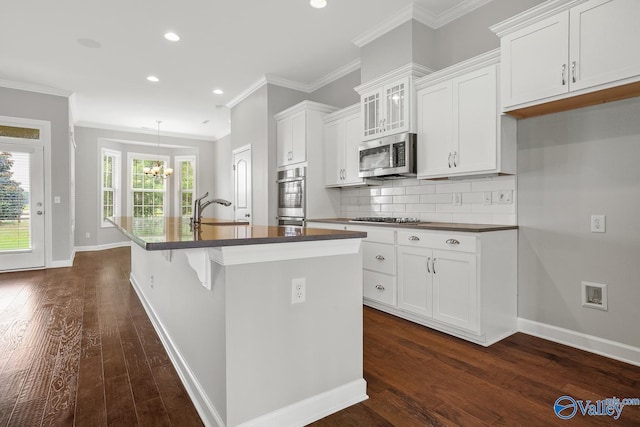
x,y
222,300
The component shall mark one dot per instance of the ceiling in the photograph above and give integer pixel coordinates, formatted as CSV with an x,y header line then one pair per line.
x,y
102,51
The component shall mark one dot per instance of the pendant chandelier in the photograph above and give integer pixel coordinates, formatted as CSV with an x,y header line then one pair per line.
x,y
157,170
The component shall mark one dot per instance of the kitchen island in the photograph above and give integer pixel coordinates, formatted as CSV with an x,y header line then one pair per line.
x,y
252,347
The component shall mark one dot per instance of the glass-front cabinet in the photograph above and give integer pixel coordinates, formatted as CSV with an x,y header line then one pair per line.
x,y
386,109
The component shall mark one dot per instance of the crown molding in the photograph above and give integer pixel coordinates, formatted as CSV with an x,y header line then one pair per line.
x,y
247,92
104,126
335,75
458,11
35,88
410,69
291,84
535,14
345,112
420,14
306,105
489,58
411,11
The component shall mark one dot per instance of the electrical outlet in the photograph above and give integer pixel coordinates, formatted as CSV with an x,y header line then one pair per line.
x,y
87,235
505,196
298,290
598,223
457,199
487,198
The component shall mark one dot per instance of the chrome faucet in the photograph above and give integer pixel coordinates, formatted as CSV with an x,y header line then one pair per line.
x,y
198,207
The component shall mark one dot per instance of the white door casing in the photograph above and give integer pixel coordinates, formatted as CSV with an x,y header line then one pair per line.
x,y
242,183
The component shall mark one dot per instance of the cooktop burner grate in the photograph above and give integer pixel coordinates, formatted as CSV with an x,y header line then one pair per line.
x,y
386,219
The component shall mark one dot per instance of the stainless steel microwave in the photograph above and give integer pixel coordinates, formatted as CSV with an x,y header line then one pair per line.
x,y
391,156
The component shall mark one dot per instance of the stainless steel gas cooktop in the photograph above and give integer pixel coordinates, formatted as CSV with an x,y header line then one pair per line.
x,y
386,219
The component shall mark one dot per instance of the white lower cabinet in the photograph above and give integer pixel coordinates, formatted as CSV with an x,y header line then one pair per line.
x,y
460,283
439,284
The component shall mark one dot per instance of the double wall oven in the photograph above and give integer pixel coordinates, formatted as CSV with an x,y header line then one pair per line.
x,y
291,196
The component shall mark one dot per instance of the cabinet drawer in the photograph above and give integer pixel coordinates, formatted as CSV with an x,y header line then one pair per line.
x,y
379,287
378,257
448,241
375,234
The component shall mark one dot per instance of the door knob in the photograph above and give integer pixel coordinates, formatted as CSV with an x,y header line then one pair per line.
x,y
247,215
40,212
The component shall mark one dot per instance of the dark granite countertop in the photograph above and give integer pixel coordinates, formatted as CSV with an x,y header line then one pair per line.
x,y
444,226
175,233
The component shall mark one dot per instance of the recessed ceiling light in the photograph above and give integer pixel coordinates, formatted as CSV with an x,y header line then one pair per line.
x,y
172,37
218,91
153,79
318,4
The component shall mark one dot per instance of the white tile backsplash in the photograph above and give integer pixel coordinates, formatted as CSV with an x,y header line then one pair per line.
x,y
433,200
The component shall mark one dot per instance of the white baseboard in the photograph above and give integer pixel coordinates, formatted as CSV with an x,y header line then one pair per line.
x,y
312,409
612,349
102,247
61,264
206,410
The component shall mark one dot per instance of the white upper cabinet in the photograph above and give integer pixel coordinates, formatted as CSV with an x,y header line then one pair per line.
x,y
460,131
291,139
387,105
564,48
385,110
296,128
342,138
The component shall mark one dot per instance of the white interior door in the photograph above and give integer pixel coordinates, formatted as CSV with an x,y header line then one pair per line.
x,y
242,184
22,209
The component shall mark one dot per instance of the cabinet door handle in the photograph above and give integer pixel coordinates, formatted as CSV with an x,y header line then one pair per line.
x,y
452,242
379,257
428,269
455,156
380,287
433,265
564,72
449,160
573,71
414,238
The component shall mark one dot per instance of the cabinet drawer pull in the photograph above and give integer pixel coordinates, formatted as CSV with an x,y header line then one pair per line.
x,y
433,266
452,242
380,287
449,160
564,71
428,261
455,162
379,257
414,238
573,71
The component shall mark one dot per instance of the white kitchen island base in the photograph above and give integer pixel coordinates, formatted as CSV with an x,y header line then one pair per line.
x,y
245,353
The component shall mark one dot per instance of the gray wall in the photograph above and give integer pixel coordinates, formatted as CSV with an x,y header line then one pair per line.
x,y
223,185
469,35
572,165
339,93
409,42
249,127
252,123
55,109
90,141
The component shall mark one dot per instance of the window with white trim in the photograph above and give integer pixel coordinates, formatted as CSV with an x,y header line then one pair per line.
x,y
185,185
147,195
110,185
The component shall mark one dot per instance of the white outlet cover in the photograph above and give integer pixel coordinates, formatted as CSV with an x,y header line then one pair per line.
x,y
598,223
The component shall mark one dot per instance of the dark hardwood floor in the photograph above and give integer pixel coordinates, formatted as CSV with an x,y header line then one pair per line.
x,y
76,348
